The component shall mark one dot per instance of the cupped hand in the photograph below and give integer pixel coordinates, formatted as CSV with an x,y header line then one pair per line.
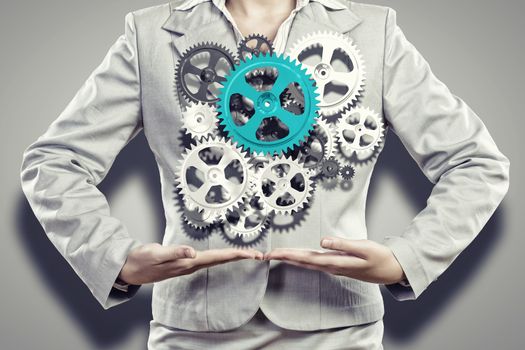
x,y
153,262
362,259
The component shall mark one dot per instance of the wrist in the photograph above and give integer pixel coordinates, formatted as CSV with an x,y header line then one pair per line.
x,y
120,284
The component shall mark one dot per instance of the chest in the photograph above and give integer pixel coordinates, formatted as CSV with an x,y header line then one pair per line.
x,y
346,65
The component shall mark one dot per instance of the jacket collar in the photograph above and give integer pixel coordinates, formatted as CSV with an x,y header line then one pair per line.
x,y
201,20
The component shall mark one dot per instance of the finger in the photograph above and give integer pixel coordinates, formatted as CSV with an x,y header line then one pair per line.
x,y
225,255
308,266
322,259
203,266
357,247
174,252
305,256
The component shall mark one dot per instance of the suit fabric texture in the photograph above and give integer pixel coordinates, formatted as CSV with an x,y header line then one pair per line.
x,y
261,333
132,90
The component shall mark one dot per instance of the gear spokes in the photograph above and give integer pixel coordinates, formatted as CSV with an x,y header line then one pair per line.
x,y
336,65
270,128
214,176
253,45
201,70
284,185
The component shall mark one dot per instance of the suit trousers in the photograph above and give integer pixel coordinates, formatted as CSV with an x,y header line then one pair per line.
x,y
261,333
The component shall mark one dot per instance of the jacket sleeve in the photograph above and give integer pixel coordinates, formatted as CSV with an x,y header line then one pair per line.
x,y
60,171
454,150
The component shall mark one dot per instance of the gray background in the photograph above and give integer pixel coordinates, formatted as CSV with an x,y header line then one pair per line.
x,y
48,49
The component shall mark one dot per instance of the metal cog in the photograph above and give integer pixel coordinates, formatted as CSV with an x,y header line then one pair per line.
x,y
246,50
205,75
248,220
293,93
294,107
284,185
200,120
328,132
359,129
330,168
245,241
199,219
262,79
347,172
325,73
202,182
320,145
259,160
267,110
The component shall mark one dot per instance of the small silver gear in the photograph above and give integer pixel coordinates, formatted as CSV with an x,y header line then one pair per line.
x,y
200,120
359,129
284,185
214,176
199,219
249,219
325,72
347,172
330,168
254,44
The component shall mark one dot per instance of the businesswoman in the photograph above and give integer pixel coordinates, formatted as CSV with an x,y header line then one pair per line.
x,y
315,284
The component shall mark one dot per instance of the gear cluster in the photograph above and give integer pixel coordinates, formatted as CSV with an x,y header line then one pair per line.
x,y
266,126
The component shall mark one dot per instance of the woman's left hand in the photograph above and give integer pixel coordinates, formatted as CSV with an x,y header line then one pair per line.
x,y
362,259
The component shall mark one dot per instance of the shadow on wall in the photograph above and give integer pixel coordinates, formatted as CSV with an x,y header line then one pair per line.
x,y
104,328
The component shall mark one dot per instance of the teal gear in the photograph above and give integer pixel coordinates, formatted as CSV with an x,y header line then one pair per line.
x,y
267,104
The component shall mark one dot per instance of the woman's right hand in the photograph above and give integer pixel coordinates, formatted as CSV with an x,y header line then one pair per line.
x,y
153,262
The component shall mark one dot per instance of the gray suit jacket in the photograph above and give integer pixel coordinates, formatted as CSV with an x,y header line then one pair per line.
x,y
133,90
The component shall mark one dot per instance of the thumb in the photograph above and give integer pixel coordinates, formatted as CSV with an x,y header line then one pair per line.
x,y
174,252
357,247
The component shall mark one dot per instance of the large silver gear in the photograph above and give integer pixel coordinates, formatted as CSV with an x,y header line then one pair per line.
x,y
200,120
284,185
325,73
201,180
199,80
249,219
359,129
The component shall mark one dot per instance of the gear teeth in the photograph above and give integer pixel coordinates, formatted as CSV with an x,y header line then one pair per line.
x,y
206,125
346,44
347,172
186,56
296,167
246,209
364,113
250,143
188,160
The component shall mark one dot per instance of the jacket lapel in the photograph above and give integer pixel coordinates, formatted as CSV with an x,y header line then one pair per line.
x,y
202,24
315,17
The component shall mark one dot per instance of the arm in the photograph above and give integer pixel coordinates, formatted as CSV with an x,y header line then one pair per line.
x,y
454,150
456,153
61,169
